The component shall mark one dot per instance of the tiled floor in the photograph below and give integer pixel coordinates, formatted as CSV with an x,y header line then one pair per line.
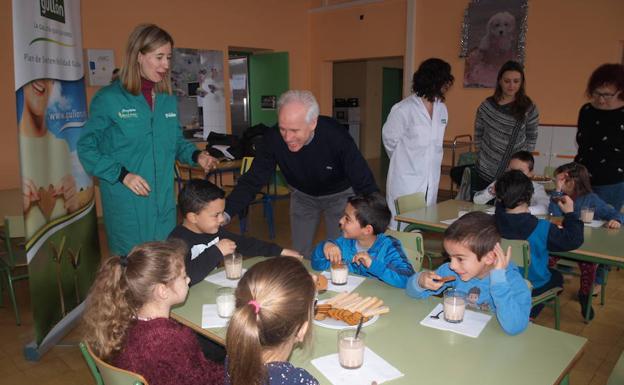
x,y
64,364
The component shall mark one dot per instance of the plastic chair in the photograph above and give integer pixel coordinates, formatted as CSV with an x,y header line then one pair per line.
x,y
106,374
275,189
521,255
409,202
13,258
617,375
415,201
412,244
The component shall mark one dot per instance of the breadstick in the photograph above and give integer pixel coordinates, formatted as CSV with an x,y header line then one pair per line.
x,y
367,301
355,305
347,305
372,305
374,312
338,297
344,300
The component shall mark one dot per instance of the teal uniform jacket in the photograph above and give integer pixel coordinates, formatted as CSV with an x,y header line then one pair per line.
x,y
123,131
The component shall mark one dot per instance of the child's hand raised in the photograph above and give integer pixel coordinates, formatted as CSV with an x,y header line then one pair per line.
x,y
226,246
566,204
502,258
430,280
332,252
363,258
613,224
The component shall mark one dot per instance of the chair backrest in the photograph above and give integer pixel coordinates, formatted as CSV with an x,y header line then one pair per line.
x,y
520,253
412,243
106,374
246,164
410,202
549,171
276,186
13,228
466,158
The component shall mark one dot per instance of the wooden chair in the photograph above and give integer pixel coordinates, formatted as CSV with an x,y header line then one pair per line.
x,y
107,374
432,247
521,255
13,258
412,244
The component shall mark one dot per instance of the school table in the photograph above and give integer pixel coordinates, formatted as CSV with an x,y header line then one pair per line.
x,y
424,355
601,245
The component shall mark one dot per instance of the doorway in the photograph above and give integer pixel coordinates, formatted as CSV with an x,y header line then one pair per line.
x,y
358,87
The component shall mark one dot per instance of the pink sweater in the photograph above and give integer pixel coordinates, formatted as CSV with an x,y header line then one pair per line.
x,y
167,353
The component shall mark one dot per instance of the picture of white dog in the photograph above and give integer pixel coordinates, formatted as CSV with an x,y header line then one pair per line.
x,y
497,46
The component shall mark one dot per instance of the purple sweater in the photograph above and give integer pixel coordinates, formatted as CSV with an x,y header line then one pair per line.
x,y
167,353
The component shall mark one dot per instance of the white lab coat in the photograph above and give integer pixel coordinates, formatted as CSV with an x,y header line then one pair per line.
x,y
413,141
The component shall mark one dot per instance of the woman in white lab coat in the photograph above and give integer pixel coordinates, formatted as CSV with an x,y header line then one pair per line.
x,y
413,135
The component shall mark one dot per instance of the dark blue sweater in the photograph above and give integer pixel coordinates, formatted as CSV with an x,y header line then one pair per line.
x,y
542,236
329,164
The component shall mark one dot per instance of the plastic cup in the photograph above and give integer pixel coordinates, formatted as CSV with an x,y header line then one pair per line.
x,y
226,302
454,306
233,265
351,349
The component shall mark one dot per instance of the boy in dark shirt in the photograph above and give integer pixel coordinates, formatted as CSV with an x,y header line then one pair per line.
x,y
514,221
201,204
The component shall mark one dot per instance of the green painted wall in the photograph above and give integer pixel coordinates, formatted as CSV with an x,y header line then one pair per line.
x,y
268,75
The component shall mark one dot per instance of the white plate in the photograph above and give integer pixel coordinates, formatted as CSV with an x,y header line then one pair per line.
x,y
331,323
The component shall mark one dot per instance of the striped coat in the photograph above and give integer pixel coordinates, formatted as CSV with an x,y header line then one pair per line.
x,y
494,126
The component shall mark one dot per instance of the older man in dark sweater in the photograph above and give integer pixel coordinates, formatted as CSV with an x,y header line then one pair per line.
x,y
320,162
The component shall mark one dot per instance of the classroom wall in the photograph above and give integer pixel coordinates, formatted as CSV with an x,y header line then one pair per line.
x,y
566,40
192,23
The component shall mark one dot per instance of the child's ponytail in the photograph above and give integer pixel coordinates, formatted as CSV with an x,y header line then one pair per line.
x,y
122,286
245,363
108,313
274,299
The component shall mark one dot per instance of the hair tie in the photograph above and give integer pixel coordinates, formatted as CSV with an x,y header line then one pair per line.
x,y
255,304
123,260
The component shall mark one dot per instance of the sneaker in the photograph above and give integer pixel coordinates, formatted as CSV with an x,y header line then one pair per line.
x,y
597,290
583,300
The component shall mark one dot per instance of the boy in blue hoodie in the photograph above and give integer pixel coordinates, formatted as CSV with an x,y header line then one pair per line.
x,y
363,247
478,262
514,221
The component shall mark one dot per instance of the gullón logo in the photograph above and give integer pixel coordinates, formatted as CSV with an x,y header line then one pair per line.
x,y
128,113
170,115
53,9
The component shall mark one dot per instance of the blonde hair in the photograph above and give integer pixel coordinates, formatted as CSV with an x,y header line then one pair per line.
x,y
284,293
144,39
122,286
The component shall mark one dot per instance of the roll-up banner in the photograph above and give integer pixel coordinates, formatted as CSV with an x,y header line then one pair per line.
x,y
61,236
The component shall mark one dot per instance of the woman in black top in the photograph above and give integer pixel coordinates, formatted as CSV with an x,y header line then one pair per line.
x,y
600,134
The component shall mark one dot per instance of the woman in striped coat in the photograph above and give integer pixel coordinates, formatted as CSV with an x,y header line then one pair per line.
x,y
506,122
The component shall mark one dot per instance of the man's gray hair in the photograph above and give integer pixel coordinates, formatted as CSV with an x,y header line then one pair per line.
x,y
304,97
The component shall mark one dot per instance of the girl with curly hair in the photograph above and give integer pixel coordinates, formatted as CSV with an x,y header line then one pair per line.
x,y
127,317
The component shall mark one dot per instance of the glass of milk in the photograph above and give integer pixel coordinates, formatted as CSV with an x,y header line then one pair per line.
x,y
233,265
351,349
454,305
587,213
226,302
339,274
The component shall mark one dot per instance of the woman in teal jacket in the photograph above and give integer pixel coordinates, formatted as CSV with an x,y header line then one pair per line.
x,y
131,141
